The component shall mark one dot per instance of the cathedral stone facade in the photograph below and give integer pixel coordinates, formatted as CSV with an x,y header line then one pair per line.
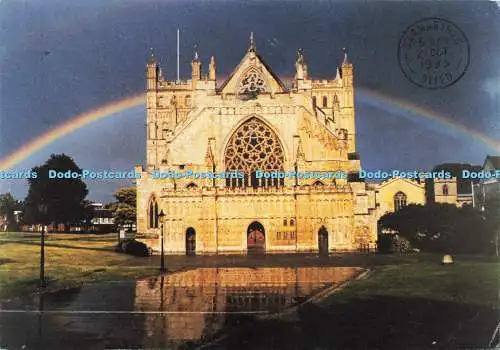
x,y
251,123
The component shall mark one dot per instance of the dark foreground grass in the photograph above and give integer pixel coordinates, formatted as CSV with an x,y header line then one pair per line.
x,y
422,305
406,302
464,282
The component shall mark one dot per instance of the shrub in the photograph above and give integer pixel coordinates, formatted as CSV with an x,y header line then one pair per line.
x,y
390,243
443,228
118,248
400,244
133,247
384,243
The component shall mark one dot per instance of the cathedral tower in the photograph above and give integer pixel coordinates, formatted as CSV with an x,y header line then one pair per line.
x,y
226,156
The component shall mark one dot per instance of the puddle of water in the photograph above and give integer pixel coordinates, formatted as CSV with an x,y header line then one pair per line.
x,y
174,310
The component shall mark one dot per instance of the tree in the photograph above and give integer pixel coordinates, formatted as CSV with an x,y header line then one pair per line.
x,y
442,228
8,205
489,213
126,195
88,214
63,198
124,209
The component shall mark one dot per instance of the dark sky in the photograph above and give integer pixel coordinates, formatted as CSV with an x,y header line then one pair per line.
x,y
98,51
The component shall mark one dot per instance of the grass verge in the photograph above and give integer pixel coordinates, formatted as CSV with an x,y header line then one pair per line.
x,y
69,261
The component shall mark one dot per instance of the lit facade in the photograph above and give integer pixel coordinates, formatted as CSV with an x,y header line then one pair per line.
x,y
251,122
396,193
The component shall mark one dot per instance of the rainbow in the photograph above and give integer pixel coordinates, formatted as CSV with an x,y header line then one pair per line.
x,y
414,112
369,97
68,127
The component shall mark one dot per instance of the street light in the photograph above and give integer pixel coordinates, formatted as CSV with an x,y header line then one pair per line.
x,y
42,208
161,217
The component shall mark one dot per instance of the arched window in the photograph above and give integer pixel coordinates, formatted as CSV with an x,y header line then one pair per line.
x,y
325,102
156,215
399,200
187,101
445,190
292,222
191,186
254,146
314,102
285,222
153,213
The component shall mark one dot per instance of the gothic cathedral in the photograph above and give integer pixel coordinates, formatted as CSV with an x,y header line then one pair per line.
x,y
251,123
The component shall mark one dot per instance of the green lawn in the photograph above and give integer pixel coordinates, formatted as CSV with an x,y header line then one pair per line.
x,y
404,301
412,302
467,281
70,260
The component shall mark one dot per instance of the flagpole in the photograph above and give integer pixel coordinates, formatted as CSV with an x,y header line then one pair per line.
x,y
472,191
178,53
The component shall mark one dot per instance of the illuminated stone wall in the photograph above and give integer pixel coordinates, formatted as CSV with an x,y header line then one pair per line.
x,y
445,191
413,191
310,126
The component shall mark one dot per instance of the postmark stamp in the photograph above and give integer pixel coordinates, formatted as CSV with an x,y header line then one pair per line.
x,y
433,53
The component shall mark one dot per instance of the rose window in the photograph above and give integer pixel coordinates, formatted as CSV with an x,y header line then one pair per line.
x,y
252,83
254,146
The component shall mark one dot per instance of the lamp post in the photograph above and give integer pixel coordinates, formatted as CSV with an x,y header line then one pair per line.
x,y
42,208
485,215
161,218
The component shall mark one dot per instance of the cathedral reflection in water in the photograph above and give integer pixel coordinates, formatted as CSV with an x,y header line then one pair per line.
x,y
199,303
182,309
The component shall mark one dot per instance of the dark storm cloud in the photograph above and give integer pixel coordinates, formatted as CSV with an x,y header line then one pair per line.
x,y
98,51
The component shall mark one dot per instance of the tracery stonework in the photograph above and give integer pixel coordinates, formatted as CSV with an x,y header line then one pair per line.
x,y
213,129
252,82
253,146
362,236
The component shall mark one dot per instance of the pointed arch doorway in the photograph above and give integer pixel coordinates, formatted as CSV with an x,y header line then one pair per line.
x,y
323,240
190,241
256,237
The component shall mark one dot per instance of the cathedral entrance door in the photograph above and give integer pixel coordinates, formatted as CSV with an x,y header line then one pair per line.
x,y
190,241
256,237
323,240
